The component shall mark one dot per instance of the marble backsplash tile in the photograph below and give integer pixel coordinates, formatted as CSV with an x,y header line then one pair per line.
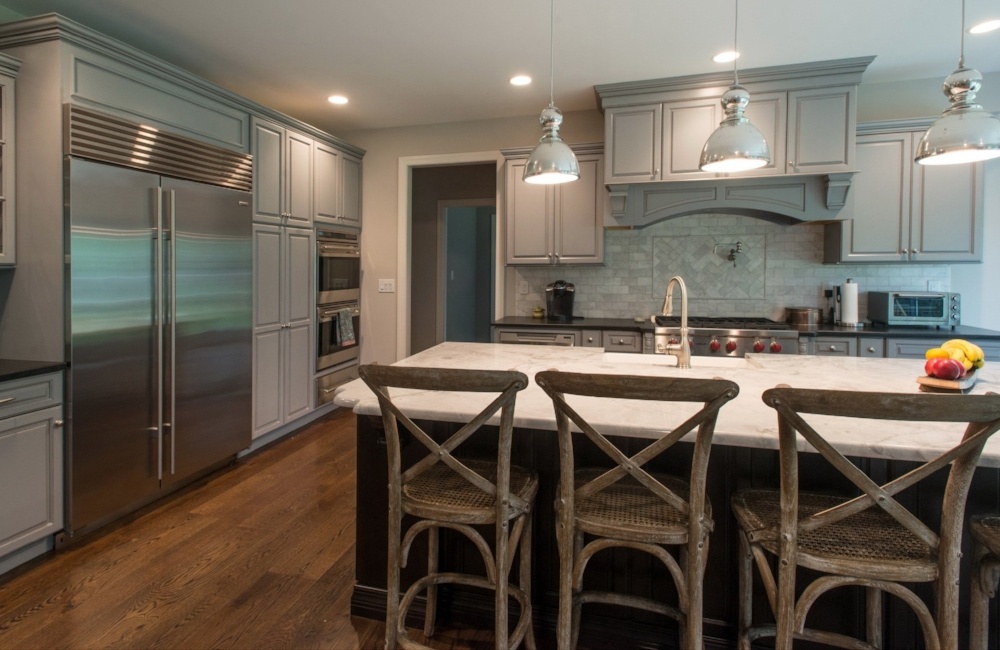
x,y
779,266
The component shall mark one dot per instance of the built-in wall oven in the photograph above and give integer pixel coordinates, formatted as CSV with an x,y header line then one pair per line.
x,y
338,308
338,265
337,341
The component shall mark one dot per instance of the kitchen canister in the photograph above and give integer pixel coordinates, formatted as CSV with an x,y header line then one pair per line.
x,y
849,304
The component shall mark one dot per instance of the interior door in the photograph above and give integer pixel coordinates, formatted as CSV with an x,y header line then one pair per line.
x,y
112,404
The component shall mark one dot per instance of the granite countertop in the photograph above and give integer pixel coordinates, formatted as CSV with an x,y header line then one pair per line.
x,y
18,369
744,422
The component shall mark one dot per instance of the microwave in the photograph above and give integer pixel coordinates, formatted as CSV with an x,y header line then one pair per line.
x,y
937,308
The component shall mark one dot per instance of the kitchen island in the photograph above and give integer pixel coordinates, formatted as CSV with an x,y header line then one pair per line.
x,y
743,455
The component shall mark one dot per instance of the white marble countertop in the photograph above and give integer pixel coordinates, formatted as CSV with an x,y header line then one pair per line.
x,y
744,422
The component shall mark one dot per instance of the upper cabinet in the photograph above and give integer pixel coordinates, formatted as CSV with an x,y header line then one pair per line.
x,y
336,186
900,211
655,130
9,67
555,224
283,164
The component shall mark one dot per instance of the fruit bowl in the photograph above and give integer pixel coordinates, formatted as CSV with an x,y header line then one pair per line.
x,y
961,384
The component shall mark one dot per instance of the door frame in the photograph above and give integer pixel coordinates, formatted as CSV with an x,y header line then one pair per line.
x,y
404,220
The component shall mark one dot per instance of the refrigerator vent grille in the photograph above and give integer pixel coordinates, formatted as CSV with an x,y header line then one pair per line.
x,y
105,138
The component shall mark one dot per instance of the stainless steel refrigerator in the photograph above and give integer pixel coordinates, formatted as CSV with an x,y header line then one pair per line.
x,y
159,335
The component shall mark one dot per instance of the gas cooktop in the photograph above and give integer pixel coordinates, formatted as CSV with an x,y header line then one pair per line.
x,y
722,323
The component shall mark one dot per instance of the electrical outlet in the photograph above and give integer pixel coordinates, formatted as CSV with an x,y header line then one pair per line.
x,y
522,287
935,285
387,285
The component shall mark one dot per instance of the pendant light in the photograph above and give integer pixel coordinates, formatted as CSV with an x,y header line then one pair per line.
x,y
737,145
552,161
965,132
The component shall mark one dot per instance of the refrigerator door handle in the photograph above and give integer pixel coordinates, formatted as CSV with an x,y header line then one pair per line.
x,y
158,320
172,318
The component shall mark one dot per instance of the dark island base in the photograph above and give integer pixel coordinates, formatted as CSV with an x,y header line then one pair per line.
x,y
730,469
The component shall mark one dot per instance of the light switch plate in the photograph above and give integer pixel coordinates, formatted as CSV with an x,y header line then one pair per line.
x,y
387,285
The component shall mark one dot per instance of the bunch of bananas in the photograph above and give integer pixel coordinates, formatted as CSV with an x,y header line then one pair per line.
x,y
968,354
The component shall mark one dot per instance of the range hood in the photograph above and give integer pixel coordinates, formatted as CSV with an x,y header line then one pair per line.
x,y
655,129
779,199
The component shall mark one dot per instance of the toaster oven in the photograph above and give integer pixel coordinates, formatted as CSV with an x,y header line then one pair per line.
x,y
927,308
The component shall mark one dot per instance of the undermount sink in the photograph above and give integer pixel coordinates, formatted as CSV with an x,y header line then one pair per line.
x,y
671,361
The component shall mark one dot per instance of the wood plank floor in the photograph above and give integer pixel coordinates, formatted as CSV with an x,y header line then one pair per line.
x,y
258,555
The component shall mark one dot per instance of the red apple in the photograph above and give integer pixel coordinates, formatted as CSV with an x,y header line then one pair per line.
x,y
944,368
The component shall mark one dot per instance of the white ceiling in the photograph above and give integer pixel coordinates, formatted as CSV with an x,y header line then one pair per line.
x,y
407,62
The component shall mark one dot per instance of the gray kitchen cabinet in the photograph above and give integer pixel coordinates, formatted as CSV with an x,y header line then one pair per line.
x,y
905,348
336,186
9,67
686,126
633,135
622,341
31,466
282,161
556,224
283,340
821,130
900,211
591,339
836,346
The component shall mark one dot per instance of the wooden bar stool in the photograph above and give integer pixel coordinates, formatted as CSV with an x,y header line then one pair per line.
x,y
985,531
626,506
444,491
871,541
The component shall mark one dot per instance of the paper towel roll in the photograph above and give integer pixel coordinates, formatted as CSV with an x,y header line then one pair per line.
x,y
849,303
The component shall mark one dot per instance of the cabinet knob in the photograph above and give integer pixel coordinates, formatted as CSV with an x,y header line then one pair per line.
x,y
791,163
833,348
871,348
906,251
57,423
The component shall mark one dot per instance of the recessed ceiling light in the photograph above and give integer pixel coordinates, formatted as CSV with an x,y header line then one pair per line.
x,y
986,26
726,57
520,80
337,99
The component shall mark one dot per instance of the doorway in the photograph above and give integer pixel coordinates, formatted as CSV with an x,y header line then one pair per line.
x,y
466,277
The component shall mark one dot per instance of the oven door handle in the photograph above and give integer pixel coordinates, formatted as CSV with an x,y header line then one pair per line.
x,y
328,314
333,250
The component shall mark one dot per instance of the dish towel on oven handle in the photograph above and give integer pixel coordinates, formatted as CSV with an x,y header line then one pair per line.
x,y
345,327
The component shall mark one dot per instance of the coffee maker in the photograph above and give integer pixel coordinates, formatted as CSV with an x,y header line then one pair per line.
x,y
559,301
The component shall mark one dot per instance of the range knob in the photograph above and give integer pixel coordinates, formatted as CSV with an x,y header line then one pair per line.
x,y
730,346
673,341
758,346
714,345
775,347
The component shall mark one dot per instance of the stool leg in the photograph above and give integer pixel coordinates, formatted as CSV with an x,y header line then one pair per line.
x,y
873,616
695,572
392,586
430,614
567,558
500,588
985,571
744,567
524,579
577,604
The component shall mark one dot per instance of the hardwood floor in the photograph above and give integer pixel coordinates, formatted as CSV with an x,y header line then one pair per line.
x,y
258,555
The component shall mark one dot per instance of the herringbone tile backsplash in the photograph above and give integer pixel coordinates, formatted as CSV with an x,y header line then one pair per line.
x,y
779,266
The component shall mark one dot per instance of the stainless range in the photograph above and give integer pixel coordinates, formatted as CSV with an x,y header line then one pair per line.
x,y
726,337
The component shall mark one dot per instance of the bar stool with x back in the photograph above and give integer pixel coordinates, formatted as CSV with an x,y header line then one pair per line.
x,y
444,491
628,506
871,541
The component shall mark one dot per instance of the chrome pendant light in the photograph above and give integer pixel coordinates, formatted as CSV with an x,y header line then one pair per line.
x,y
737,145
965,132
552,161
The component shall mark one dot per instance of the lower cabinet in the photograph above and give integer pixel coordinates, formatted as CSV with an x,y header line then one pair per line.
x,y
915,348
31,466
849,346
893,348
283,349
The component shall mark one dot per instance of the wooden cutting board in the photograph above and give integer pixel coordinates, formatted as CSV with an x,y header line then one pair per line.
x,y
961,385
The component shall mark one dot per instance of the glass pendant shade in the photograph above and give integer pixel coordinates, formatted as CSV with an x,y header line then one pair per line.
x,y
552,161
965,132
737,145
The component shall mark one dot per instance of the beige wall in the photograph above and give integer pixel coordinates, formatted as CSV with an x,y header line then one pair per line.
x,y
910,99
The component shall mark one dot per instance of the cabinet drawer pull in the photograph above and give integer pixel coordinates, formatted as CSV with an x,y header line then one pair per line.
x,y
8,400
833,348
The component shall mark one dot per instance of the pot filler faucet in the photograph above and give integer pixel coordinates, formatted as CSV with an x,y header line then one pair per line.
x,y
682,349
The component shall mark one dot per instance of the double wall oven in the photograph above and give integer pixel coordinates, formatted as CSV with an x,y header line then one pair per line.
x,y
338,308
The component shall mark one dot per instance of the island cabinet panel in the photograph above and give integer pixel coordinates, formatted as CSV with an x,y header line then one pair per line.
x,y
625,571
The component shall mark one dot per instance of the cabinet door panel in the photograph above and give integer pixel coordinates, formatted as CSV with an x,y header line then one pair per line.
x,y
634,135
326,183
686,127
298,274
267,381
579,222
268,163
267,276
350,189
30,478
299,181
528,222
298,365
947,215
766,111
821,126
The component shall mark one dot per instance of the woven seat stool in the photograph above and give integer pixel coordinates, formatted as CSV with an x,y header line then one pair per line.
x,y
985,530
870,541
626,505
443,491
